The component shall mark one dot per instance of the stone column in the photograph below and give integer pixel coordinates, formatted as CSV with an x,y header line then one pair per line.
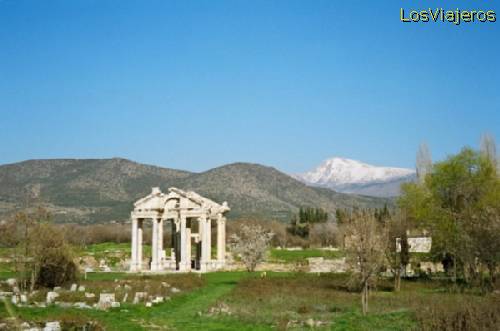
x,y
198,253
205,243
184,264
221,238
140,223
201,230
160,243
154,246
188,244
209,238
173,239
133,257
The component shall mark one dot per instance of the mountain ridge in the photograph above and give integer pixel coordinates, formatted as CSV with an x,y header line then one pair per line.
x,y
352,176
101,190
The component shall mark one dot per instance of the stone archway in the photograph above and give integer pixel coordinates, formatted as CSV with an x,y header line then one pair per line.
x,y
184,210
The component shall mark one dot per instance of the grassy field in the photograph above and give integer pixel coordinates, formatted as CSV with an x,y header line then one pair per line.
x,y
244,301
278,302
300,256
110,250
112,253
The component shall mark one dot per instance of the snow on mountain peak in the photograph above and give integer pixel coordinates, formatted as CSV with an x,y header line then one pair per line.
x,y
336,172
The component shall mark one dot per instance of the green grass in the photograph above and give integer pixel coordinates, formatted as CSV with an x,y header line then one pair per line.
x,y
184,312
6,267
108,247
181,313
355,321
300,256
96,276
113,251
7,274
272,303
6,251
292,300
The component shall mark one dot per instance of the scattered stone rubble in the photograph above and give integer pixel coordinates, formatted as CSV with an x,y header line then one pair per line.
x,y
140,297
81,305
219,309
106,300
52,326
309,324
51,297
11,282
319,264
25,326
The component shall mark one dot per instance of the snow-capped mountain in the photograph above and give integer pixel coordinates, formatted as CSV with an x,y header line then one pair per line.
x,y
350,176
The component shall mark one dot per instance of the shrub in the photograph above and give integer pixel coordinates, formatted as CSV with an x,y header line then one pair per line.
x,y
53,262
323,234
462,314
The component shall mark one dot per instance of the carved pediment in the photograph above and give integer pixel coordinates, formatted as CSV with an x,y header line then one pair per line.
x,y
153,201
177,200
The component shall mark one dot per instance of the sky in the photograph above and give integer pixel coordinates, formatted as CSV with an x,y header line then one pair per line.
x,y
197,84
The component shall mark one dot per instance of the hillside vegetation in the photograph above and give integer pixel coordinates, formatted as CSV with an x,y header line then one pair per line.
x,y
100,190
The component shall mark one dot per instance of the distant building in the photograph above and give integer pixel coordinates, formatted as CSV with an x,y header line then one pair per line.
x,y
416,244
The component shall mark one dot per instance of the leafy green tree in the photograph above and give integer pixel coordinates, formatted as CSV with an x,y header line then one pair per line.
x,y
458,202
398,256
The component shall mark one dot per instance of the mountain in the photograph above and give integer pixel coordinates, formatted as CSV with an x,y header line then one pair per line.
x,y
253,190
101,190
350,176
80,190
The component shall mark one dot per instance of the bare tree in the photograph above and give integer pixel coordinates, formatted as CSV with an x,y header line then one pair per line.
x,y
397,248
424,162
281,235
23,237
488,147
40,253
365,240
250,244
323,234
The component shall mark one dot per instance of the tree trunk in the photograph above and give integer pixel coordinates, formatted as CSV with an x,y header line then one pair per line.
x,y
32,281
492,272
397,280
364,298
454,269
467,275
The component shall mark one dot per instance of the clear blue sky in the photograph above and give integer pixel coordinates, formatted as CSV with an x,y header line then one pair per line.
x,y
197,84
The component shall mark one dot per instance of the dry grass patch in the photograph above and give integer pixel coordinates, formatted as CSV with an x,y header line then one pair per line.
x,y
279,300
294,300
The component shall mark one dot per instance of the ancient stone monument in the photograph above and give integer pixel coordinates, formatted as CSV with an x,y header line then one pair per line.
x,y
190,216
